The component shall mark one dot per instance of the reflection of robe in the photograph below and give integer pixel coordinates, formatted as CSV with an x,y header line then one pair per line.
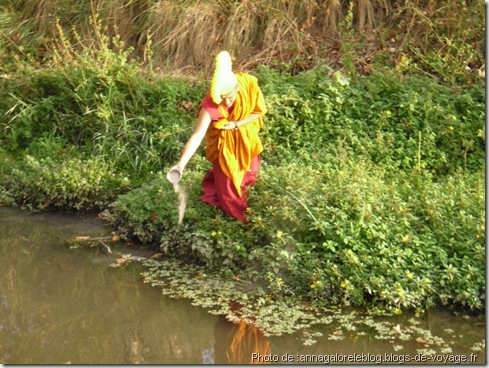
x,y
234,153
235,343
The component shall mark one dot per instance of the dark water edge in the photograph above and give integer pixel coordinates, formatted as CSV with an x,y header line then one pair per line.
x,y
62,305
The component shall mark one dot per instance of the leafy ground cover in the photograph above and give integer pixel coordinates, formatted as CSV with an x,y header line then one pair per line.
x,y
371,191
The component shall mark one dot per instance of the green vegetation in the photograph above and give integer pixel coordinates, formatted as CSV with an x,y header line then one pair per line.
x,y
371,191
353,205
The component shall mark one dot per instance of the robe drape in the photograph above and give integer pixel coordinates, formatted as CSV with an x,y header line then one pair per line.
x,y
235,154
236,148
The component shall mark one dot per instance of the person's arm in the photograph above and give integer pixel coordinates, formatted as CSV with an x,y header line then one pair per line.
x,y
231,125
251,118
258,102
194,141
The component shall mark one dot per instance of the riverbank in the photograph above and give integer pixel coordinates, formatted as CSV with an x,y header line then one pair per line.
x,y
371,192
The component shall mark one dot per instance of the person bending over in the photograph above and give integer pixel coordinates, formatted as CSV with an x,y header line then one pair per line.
x,y
230,118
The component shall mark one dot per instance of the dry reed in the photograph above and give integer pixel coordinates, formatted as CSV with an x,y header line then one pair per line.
x,y
187,34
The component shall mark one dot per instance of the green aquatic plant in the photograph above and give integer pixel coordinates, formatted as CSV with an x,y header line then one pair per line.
x,y
252,303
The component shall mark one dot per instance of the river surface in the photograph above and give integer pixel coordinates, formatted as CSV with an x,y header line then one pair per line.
x,y
65,304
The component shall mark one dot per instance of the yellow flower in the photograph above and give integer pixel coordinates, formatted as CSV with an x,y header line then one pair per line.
x,y
279,234
214,233
316,284
280,282
410,276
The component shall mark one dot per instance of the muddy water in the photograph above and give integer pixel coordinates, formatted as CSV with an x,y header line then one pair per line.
x,y
69,306
60,305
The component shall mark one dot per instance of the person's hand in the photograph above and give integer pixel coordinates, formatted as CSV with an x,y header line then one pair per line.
x,y
229,126
177,167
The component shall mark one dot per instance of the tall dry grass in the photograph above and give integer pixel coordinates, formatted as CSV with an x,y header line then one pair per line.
x,y
185,35
254,31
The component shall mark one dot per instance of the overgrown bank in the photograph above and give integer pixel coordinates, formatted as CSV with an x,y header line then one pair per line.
x,y
371,191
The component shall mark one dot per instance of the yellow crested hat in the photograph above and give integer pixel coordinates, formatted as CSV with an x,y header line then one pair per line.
x,y
223,80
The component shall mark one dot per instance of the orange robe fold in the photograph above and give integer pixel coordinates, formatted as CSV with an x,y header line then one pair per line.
x,y
236,148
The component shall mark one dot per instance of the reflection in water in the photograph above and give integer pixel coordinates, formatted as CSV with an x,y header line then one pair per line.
x,y
239,343
69,306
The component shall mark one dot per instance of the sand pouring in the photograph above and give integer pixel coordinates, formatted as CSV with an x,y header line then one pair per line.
x,y
174,177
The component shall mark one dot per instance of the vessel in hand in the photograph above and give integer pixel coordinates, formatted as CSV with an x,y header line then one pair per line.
x,y
174,176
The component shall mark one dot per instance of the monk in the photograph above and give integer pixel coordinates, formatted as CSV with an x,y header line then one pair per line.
x,y
230,117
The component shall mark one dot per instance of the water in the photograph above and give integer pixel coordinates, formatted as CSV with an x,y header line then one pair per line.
x,y
60,305
174,177
69,306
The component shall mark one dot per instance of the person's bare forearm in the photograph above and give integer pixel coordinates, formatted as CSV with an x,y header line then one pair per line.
x,y
251,118
232,124
188,151
194,141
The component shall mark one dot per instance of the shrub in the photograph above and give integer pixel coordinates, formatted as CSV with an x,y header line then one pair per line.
x,y
102,102
352,234
63,182
370,192
399,123
206,236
